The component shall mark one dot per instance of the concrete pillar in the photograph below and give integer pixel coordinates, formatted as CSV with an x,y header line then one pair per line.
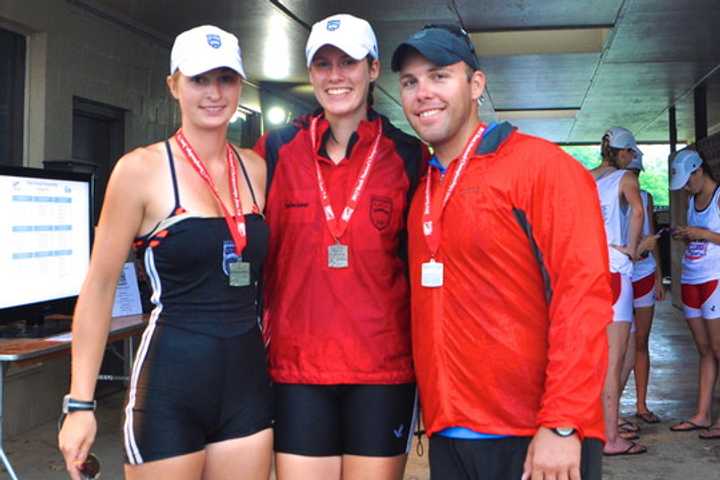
x,y
672,123
701,124
678,208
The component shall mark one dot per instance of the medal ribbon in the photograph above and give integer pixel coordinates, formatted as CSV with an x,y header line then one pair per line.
x,y
236,222
338,226
431,223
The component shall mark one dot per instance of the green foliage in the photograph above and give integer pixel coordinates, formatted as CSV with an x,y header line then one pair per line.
x,y
589,156
655,177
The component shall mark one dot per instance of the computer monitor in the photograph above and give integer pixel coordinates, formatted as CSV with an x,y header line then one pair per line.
x,y
46,228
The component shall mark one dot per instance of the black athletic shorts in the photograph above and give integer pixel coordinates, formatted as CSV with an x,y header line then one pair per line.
x,y
498,459
188,390
332,420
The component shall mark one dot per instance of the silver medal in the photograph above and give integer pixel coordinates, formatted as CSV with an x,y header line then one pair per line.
x,y
338,256
239,274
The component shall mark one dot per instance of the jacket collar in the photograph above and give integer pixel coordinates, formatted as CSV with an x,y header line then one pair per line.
x,y
495,136
365,133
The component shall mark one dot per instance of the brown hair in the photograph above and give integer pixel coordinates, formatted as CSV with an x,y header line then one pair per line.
x,y
708,170
609,154
371,88
469,71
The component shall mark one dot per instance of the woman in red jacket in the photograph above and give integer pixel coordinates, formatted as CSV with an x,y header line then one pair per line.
x,y
336,291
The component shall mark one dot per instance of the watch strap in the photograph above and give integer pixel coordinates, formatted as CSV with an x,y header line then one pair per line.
x,y
72,405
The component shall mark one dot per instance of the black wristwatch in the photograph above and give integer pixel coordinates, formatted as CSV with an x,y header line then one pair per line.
x,y
563,431
70,405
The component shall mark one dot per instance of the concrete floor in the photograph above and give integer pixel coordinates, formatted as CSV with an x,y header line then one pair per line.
x,y
671,456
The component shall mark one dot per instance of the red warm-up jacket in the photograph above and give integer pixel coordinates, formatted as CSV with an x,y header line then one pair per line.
x,y
350,325
516,336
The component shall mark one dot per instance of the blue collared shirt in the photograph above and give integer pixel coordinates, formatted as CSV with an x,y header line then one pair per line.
x,y
435,163
463,433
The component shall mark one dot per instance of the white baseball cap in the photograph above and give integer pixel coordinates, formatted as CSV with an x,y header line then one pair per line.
x,y
205,48
619,137
350,34
636,163
686,161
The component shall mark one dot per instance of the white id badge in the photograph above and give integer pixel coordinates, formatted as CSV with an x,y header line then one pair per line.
x,y
432,274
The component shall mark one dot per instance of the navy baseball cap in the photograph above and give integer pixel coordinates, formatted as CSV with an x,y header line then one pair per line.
x,y
441,44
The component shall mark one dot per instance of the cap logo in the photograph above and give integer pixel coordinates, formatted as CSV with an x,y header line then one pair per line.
x,y
419,35
333,25
214,40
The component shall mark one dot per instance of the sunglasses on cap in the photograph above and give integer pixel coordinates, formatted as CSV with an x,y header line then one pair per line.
x,y
456,30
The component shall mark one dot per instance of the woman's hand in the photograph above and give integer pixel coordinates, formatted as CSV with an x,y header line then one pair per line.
x,y
647,244
75,439
690,233
627,251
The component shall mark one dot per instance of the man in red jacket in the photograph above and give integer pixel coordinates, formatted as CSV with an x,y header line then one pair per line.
x,y
510,297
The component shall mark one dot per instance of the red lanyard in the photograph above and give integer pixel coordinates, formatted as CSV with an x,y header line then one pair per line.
x,y
338,226
431,223
236,222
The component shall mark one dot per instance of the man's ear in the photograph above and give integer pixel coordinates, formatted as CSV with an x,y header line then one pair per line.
x,y
477,84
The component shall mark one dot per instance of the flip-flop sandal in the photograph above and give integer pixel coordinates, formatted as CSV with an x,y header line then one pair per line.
x,y
647,417
678,427
628,426
633,449
628,435
708,435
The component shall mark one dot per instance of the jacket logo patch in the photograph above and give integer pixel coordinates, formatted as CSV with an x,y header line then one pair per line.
x,y
296,204
380,211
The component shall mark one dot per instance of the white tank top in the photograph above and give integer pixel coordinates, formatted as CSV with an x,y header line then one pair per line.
x,y
608,186
701,262
645,266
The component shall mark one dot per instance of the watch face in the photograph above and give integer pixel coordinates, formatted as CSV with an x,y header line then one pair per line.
x,y
564,431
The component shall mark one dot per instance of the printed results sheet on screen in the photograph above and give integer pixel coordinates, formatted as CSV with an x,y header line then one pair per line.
x,y
44,239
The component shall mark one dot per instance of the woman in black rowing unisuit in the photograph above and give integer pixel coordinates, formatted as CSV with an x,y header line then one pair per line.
x,y
199,403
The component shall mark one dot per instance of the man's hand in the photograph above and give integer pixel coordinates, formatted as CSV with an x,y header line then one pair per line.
x,y
552,457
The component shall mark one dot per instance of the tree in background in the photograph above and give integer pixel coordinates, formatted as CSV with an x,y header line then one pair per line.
x,y
655,177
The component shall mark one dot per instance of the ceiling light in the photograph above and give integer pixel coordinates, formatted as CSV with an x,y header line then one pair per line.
x,y
533,114
276,51
540,42
276,115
